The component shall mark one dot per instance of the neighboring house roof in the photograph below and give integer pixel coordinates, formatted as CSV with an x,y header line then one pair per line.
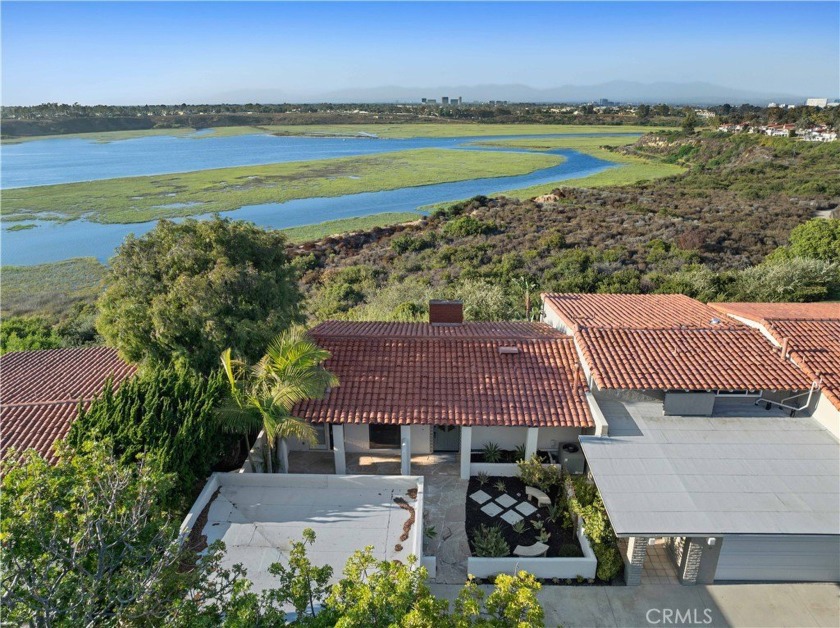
x,y
633,311
41,391
407,373
813,333
752,471
735,358
440,330
758,312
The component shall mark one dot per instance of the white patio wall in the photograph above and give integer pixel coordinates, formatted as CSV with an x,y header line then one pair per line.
x,y
504,437
544,567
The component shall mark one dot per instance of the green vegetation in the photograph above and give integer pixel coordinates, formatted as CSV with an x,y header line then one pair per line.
x,y
22,227
489,542
262,395
630,170
139,199
50,288
25,333
185,292
86,542
307,233
165,415
455,129
586,502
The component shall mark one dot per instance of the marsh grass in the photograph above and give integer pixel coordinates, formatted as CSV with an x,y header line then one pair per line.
x,y
307,233
50,288
140,199
629,169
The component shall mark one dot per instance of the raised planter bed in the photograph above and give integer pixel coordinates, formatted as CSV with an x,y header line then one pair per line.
x,y
561,537
545,568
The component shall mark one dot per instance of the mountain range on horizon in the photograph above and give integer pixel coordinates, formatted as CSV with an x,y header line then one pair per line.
x,y
691,93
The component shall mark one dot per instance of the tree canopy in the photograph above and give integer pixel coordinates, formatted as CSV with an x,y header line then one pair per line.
x,y
168,416
184,292
86,542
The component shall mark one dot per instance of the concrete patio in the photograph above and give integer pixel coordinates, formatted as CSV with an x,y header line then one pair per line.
x,y
258,517
444,503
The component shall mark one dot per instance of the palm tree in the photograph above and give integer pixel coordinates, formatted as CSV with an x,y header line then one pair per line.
x,y
263,395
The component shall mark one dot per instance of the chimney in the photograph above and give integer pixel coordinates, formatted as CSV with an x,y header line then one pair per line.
x,y
785,348
446,312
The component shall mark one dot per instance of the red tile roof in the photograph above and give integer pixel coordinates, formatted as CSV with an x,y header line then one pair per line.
x,y
736,358
404,373
633,311
813,333
785,311
815,347
40,392
466,330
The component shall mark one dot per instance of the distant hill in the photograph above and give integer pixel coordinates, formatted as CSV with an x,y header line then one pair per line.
x,y
698,93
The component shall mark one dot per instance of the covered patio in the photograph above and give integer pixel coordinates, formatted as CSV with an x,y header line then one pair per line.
x,y
747,493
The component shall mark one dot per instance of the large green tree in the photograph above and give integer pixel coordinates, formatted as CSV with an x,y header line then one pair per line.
x,y
186,291
85,541
167,414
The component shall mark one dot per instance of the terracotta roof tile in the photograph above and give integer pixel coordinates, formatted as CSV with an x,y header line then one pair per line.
x,y
815,347
425,330
418,374
783,311
633,311
686,359
813,333
40,392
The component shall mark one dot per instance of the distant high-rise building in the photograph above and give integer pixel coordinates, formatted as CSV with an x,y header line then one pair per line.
x,y
816,102
444,100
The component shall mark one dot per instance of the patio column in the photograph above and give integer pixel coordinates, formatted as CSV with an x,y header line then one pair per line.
x,y
634,561
692,557
338,449
466,451
405,447
531,442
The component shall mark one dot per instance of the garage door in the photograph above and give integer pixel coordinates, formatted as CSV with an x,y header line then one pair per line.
x,y
781,558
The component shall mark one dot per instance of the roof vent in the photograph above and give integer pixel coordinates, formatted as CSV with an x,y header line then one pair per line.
x,y
715,321
508,350
446,312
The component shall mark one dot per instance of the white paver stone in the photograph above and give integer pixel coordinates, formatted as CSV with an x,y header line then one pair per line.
x,y
506,501
526,508
511,516
491,509
480,497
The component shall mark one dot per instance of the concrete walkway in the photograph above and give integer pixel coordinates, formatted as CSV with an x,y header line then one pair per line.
x,y
445,509
748,605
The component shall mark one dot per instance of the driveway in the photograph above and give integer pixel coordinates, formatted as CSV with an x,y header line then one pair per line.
x,y
753,605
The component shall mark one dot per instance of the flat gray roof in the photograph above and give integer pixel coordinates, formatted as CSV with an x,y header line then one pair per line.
x,y
746,472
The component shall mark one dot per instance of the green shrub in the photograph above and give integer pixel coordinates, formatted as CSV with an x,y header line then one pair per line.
x,y
408,243
610,563
491,452
464,226
167,415
489,542
25,333
533,473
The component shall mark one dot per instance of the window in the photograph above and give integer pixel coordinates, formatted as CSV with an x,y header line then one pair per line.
x,y
384,436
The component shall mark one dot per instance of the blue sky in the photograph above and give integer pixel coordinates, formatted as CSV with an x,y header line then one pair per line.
x,y
163,52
